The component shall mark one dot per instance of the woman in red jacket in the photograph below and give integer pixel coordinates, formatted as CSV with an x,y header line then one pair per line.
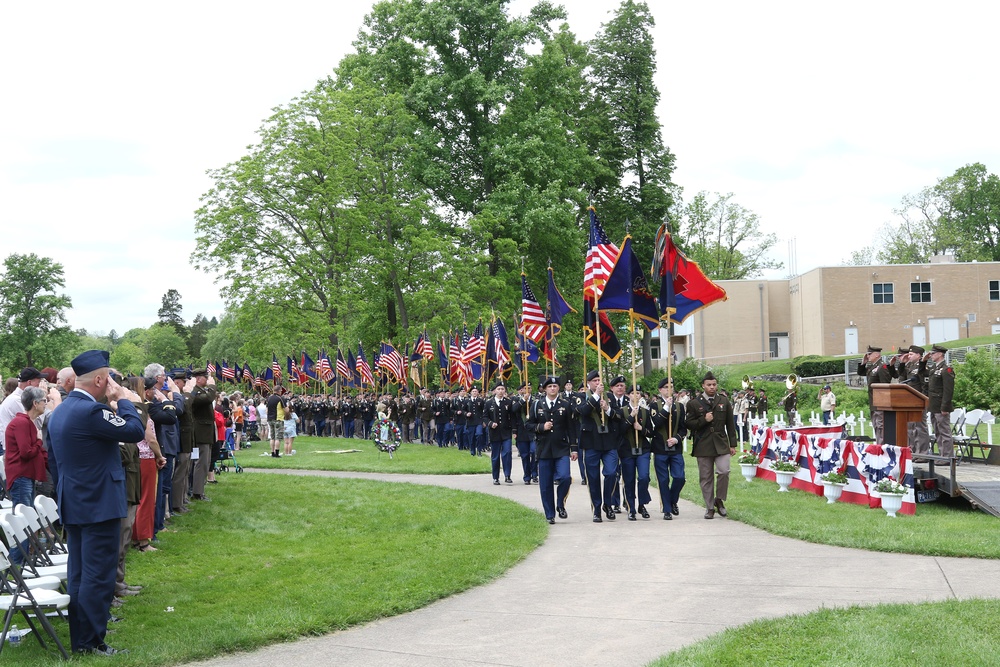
x,y
25,458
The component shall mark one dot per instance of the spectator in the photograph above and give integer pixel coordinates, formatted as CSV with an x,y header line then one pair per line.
x,y
11,406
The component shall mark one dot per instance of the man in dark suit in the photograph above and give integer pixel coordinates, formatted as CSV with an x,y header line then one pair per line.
x,y
549,418
90,489
498,422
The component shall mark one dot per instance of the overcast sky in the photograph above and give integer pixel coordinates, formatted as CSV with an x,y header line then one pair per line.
x,y
819,117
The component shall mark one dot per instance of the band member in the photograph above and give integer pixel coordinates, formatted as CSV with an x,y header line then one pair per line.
x,y
549,419
875,370
710,420
667,417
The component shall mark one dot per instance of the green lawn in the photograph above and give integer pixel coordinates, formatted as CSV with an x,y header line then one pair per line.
x,y
937,529
313,453
951,633
274,558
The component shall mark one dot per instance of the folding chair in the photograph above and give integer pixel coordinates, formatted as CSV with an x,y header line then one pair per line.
x,y
957,433
50,582
35,532
48,513
17,597
16,531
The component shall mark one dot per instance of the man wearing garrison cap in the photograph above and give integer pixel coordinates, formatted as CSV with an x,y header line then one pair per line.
x,y
90,490
875,371
713,442
941,387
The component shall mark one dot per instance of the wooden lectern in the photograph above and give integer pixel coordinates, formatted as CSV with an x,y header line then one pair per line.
x,y
901,404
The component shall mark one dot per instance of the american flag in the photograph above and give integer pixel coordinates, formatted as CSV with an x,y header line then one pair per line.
x,y
467,355
601,259
247,373
454,358
275,367
533,323
210,368
363,369
499,340
227,372
391,361
476,345
423,347
343,370
324,369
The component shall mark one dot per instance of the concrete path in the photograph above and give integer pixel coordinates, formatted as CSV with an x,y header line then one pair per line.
x,y
623,593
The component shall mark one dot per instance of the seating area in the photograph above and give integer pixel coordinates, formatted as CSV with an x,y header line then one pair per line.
x,y
34,588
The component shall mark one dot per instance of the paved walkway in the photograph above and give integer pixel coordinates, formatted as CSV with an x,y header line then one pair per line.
x,y
623,593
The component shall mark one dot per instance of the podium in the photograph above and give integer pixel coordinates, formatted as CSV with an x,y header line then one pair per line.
x,y
901,404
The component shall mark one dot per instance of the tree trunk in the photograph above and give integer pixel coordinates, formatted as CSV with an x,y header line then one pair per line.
x,y
647,350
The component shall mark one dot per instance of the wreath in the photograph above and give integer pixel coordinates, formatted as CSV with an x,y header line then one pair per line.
x,y
386,435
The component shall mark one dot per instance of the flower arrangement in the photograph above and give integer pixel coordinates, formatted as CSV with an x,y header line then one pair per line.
x,y
834,477
784,465
749,457
889,485
386,435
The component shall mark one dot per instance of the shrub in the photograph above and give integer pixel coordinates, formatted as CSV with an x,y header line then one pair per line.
x,y
812,365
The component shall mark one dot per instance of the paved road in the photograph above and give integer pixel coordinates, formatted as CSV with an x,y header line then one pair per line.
x,y
622,593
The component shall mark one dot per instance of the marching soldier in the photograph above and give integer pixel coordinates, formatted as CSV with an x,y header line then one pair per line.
x,y
667,417
497,420
520,405
599,444
633,454
710,420
549,419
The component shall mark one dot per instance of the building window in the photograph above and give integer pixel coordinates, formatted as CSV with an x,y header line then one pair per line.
x,y
654,348
995,290
920,292
881,292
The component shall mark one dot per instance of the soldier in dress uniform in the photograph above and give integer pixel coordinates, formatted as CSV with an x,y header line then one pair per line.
x,y
90,489
407,414
875,370
203,396
633,454
498,421
549,419
425,413
600,434
667,417
941,387
460,415
520,406
713,442
574,432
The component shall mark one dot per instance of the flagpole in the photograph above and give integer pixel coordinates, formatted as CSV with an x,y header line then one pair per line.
x,y
631,332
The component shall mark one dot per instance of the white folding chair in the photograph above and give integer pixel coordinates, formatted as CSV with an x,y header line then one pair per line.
x,y
48,513
36,531
50,582
17,597
16,531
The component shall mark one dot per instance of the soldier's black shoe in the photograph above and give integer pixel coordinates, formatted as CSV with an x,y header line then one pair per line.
x,y
675,510
552,522
609,512
643,512
597,518
617,509
631,516
496,482
667,516
562,513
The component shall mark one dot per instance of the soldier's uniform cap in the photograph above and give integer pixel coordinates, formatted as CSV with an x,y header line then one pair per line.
x,y
663,383
593,375
199,372
89,361
708,376
872,348
550,379
618,379
917,349
938,348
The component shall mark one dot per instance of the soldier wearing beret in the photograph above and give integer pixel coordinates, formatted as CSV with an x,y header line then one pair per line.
x,y
550,421
941,387
521,405
600,434
90,490
667,416
713,433
633,454
875,370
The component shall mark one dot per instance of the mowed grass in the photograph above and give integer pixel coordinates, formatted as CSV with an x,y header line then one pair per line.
x,y
957,634
312,453
949,528
274,558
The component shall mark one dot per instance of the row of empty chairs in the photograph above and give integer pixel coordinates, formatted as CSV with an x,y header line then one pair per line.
x,y
37,588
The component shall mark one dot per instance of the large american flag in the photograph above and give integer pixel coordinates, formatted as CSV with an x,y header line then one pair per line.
x,y
343,370
533,322
228,372
601,258
423,347
362,367
391,361
324,370
473,346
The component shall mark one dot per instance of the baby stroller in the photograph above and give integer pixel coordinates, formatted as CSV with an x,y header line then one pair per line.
x,y
229,453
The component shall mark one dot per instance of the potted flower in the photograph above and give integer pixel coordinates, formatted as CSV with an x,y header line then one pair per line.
x,y
891,492
784,470
833,485
748,464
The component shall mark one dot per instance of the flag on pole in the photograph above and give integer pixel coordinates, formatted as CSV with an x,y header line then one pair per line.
x,y
228,372
210,367
556,307
324,369
275,368
601,256
627,289
354,376
526,351
343,370
423,346
533,321
610,347
443,359
390,360
247,374
307,366
363,369
684,287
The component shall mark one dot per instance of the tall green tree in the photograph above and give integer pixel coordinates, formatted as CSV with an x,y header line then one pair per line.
x,y
632,143
170,311
725,238
31,309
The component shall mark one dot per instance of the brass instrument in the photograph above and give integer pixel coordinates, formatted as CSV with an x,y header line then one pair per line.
x,y
747,382
792,385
